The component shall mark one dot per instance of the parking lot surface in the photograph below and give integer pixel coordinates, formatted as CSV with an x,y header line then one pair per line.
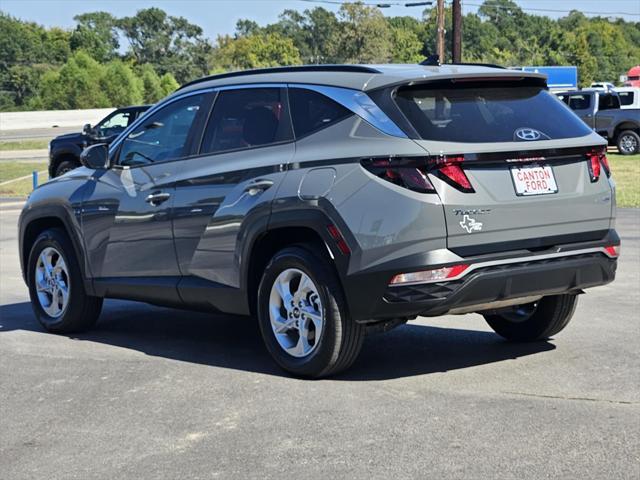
x,y
161,393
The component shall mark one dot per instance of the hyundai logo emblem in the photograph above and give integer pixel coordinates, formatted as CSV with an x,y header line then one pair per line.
x,y
528,134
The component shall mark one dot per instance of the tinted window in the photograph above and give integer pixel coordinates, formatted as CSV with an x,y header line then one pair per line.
x,y
579,102
162,136
479,114
626,98
608,102
311,111
247,118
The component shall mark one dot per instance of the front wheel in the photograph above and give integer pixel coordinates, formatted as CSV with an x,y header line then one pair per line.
x,y
66,166
56,288
303,317
628,143
534,321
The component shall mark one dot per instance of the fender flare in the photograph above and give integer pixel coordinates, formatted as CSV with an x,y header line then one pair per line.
x,y
64,214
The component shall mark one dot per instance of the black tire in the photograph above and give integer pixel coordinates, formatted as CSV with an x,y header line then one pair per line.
x,y
341,338
66,166
536,321
82,310
628,142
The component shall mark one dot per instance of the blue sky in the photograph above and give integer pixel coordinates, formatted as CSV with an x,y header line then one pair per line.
x,y
219,16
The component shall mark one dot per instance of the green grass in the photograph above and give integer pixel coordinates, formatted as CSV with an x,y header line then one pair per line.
x,y
10,170
32,144
20,188
626,173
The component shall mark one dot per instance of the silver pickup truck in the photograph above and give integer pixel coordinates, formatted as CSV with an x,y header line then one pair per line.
x,y
601,111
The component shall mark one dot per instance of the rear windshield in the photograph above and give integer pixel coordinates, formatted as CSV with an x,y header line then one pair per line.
x,y
476,114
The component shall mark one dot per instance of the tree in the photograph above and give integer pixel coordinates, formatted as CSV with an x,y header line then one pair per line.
x,y
96,34
407,47
254,51
169,44
363,35
75,85
120,85
168,84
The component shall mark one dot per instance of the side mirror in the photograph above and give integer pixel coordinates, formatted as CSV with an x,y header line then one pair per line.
x,y
86,129
96,156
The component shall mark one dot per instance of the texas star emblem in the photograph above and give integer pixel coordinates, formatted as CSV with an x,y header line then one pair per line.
x,y
470,224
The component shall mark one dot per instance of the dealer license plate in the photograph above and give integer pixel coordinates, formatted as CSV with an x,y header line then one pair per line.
x,y
536,180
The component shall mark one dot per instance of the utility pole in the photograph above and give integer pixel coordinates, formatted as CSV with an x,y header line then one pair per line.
x,y
440,30
456,50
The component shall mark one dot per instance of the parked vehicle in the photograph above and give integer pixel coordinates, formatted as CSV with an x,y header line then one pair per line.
x,y
604,86
64,150
629,97
332,201
633,77
601,111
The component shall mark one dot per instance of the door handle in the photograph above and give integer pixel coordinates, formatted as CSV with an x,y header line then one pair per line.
x,y
259,186
157,198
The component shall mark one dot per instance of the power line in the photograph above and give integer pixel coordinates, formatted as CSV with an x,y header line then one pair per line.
x,y
502,7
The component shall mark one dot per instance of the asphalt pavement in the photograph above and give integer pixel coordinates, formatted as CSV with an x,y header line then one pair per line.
x,y
160,393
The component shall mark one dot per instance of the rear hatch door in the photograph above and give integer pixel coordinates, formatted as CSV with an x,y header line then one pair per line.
x,y
512,165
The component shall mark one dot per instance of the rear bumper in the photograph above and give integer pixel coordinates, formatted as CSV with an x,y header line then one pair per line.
x,y
486,282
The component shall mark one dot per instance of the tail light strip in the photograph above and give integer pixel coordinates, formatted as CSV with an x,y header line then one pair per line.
x,y
411,172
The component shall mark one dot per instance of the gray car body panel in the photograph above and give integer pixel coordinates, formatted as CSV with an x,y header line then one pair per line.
x,y
194,248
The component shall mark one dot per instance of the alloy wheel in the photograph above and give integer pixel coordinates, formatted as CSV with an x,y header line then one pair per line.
x,y
296,312
52,282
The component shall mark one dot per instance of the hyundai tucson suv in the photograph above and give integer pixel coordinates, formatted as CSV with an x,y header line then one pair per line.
x,y
332,201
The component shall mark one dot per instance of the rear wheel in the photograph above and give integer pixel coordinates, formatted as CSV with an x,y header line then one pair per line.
x,y
534,321
303,317
628,142
56,287
66,166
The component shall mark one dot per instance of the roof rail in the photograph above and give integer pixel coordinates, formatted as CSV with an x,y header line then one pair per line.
x,y
490,65
294,68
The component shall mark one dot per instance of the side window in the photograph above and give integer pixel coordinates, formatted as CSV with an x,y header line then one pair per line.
x,y
579,102
119,120
162,136
626,98
608,102
311,111
247,118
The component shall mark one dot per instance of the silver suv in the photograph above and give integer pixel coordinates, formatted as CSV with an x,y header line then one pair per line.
x,y
331,201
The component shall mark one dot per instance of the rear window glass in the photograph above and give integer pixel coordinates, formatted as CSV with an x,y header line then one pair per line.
x,y
608,102
626,98
312,111
481,115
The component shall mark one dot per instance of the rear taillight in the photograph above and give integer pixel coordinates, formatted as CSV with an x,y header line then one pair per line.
x,y
407,172
427,276
412,172
596,161
612,251
449,169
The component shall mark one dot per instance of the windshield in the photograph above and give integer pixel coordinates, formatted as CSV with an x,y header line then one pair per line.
x,y
477,114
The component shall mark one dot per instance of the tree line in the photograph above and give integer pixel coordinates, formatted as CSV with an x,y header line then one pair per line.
x,y
109,61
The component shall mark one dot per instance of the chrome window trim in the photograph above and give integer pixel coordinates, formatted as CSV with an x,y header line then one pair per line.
x,y
359,103
356,101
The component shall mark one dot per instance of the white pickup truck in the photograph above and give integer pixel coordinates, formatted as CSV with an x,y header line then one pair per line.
x,y
629,97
